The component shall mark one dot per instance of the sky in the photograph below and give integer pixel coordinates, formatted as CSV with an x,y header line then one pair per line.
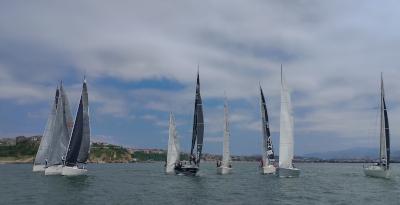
x,y
141,58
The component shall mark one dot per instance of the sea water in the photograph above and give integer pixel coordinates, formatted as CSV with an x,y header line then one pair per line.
x,y
146,183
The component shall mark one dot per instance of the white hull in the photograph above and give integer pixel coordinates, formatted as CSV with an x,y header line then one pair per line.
x,y
38,168
224,170
53,170
288,172
73,171
268,169
377,171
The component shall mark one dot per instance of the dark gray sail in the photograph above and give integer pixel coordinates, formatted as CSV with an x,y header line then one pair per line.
x,y
268,152
384,135
198,126
62,131
79,145
85,145
43,151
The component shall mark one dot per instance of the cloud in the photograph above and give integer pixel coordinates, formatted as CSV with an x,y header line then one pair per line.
x,y
332,54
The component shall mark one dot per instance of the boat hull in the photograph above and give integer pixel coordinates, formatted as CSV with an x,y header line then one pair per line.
x,y
288,172
38,168
189,170
170,172
53,170
377,171
269,169
224,170
73,171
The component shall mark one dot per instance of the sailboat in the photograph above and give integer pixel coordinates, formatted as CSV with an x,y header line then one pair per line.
x,y
79,144
42,154
268,158
225,166
192,167
286,144
381,169
173,147
61,134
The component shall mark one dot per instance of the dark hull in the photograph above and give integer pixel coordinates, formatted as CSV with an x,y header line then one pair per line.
x,y
189,171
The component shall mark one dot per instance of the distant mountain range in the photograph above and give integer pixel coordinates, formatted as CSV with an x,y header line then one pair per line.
x,y
352,153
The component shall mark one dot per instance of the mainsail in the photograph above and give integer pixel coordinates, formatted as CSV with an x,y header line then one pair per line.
x,y
286,127
384,133
79,144
43,151
226,152
173,146
198,126
61,130
268,152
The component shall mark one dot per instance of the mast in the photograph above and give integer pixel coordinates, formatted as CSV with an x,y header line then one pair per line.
x,y
268,152
226,151
286,127
384,133
79,144
43,151
198,126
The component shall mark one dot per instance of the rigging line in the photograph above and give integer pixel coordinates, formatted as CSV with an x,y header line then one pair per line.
x,y
375,127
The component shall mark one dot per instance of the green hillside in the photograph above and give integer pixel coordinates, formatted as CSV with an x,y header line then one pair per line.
x,y
23,150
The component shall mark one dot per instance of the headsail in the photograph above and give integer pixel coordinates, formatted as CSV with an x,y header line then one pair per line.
x,y
67,110
43,151
268,152
173,146
226,157
286,127
384,134
198,126
62,131
79,144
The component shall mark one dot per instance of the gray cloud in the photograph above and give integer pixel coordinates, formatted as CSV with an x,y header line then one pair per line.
x,y
332,53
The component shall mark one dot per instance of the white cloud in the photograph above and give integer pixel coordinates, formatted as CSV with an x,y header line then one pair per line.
x,y
332,53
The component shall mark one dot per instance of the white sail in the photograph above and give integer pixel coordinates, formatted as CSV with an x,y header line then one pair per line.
x,y
173,146
42,153
286,127
226,152
62,130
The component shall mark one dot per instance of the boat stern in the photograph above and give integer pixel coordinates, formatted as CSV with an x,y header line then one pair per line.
x,y
38,168
224,170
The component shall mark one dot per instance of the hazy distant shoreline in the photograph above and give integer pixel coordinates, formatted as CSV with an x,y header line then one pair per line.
x,y
22,150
